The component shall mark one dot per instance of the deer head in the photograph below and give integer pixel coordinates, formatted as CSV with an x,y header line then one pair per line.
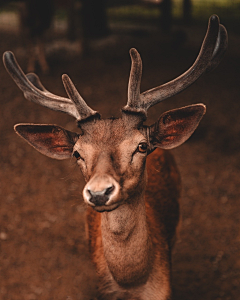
x,y
111,153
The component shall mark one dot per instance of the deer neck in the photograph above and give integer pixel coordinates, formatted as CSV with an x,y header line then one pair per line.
x,y
126,242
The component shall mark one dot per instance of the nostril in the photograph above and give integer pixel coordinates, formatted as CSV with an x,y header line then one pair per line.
x,y
109,190
90,193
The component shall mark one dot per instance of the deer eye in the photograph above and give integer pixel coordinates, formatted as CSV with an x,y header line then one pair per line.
x,y
77,155
142,147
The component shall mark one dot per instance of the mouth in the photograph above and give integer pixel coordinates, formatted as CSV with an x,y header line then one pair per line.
x,y
106,208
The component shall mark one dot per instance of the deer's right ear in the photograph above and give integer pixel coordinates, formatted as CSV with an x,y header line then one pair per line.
x,y
51,140
174,127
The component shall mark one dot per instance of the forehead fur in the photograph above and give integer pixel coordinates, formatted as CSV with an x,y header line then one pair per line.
x,y
110,131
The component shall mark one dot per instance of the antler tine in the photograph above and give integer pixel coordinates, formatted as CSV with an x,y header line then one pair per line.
x,y
203,61
220,48
34,91
84,110
211,52
134,80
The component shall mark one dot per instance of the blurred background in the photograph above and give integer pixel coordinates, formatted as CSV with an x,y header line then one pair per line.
x,y
43,250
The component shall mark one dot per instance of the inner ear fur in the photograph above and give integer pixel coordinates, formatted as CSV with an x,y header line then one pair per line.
x,y
51,140
174,127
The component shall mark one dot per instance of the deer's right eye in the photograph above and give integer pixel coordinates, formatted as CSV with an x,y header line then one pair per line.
x,y
77,155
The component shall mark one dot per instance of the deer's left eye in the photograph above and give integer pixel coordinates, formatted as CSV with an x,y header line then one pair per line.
x,y
142,147
77,155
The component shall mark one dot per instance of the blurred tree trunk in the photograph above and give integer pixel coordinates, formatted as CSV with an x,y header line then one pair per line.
x,y
71,20
166,15
187,11
94,19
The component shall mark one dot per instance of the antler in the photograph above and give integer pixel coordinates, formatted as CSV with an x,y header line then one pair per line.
x,y
212,50
33,90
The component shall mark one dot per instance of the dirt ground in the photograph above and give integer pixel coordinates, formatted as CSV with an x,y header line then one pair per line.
x,y
43,252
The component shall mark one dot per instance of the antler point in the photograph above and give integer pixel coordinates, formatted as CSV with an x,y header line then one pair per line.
x,y
134,53
65,76
6,53
214,19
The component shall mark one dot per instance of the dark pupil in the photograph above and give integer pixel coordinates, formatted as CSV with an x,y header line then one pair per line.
x,y
143,147
76,154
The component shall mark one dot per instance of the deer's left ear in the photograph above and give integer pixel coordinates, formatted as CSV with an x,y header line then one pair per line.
x,y
175,126
51,140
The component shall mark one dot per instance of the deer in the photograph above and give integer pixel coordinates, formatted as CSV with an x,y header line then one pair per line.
x,y
133,186
35,19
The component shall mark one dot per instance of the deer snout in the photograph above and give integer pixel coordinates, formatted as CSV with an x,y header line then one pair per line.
x,y
101,197
101,191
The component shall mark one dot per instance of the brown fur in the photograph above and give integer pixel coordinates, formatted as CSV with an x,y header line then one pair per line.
x,y
162,210
131,233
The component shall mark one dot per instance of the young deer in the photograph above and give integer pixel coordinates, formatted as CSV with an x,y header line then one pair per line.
x,y
132,200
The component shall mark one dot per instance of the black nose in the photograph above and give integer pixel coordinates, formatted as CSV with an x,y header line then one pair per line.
x,y
101,197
